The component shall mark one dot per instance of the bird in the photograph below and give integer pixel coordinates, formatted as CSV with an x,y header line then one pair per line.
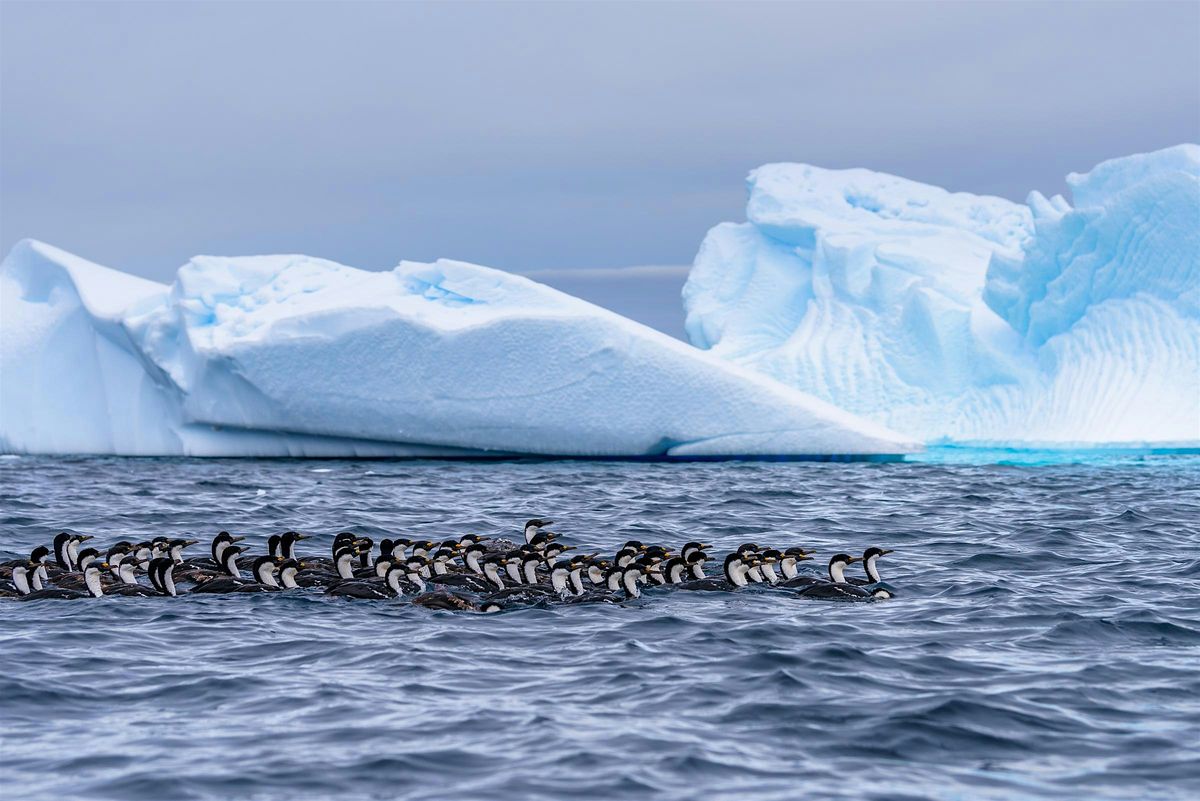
x,y
25,590
128,584
579,594
288,570
262,571
372,589
735,572
837,588
162,576
454,602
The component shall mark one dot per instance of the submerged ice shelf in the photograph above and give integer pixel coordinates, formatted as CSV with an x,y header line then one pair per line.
x,y
290,355
955,317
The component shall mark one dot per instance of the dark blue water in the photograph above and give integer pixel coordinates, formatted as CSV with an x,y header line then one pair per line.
x,y
1046,643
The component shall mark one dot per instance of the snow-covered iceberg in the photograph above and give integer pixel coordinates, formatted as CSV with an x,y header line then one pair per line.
x,y
290,355
950,316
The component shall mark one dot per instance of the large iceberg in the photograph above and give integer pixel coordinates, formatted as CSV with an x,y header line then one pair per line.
x,y
290,355
950,316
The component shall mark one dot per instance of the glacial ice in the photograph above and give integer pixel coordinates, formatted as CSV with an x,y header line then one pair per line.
x,y
291,355
954,317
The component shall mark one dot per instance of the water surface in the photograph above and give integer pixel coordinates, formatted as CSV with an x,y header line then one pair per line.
x,y
1046,643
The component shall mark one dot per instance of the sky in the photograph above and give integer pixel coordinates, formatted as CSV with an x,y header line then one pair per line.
x,y
545,138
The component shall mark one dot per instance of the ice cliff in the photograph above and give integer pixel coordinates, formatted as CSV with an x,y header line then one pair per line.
x,y
950,316
290,355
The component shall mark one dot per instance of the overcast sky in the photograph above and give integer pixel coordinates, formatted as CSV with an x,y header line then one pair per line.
x,y
543,136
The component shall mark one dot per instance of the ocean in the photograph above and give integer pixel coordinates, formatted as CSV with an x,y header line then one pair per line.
x,y
1044,642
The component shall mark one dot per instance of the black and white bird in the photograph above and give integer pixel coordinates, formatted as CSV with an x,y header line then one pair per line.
x,y
837,588
735,576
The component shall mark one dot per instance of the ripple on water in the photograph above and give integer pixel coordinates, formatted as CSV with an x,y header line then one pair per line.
x,y
1043,643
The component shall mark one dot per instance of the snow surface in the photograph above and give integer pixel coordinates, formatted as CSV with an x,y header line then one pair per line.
x,y
965,318
291,355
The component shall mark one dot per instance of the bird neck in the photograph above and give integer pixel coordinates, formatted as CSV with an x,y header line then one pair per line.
x,y
266,575
558,580
287,577
493,574
577,581
168,579
630,581
345,567
393,581
531,572
837,572
768,572
736,572
472,560
231,565
20,578
872,571
788,566
72,554
675,576
755,574
92,579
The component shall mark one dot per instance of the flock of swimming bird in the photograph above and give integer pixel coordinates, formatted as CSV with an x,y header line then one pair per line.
x,y
469,573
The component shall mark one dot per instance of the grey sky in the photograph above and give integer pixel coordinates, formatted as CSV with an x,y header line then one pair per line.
x,y
546,136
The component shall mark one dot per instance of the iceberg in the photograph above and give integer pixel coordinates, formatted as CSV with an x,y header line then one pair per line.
x,y
960,318
297,356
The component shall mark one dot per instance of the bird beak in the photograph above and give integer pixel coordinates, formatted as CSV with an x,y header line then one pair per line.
x,y
886,551
83,537
802,557
854,559
568,547
704,545
236,539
